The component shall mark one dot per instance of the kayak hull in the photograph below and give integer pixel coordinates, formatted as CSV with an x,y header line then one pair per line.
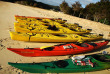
x,y
52,67
61,30
57,50
45,37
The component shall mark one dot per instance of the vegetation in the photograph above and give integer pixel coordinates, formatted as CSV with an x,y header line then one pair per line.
x,y
64,7
77,8
35,4
98,12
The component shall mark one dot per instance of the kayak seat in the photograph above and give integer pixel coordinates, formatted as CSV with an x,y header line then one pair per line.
x,y
46,22
73,29
61,63
53,28
52,19
19,32
46,25
61,22
38,19
93,44
49,48
64,25
84,35
82,44
60,35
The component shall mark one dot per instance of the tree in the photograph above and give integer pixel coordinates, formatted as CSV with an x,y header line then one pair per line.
x,y
76,7
98,11
90,10
104,0
64,7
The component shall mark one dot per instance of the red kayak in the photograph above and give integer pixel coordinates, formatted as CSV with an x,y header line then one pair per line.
x,y
38,17
64,49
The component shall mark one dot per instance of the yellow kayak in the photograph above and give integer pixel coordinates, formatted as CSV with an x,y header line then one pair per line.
x,y
24,22
50,29
29,24
40,27
66,25
34,24
28,18
37,22
45,37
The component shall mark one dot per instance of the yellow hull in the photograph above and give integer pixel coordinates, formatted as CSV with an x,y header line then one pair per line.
x,y
37,22
41,29
46,21
28,24
45,37
19,36
67,28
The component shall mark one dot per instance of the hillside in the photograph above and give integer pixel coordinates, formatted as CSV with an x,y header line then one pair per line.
x,y
35,4
7,12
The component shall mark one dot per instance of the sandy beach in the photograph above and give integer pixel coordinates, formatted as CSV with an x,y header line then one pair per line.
x,y
7,12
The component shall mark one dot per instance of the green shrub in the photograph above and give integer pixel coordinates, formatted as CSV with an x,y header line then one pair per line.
x,y
102,21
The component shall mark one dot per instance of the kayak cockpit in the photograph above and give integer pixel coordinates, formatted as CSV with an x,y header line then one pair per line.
x,y
93,44
49,48
101,58
82,44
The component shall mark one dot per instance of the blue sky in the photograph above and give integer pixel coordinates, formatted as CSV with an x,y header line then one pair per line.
x,y
58,2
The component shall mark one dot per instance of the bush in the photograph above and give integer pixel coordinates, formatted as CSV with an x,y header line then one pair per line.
x,y
35,4
102,21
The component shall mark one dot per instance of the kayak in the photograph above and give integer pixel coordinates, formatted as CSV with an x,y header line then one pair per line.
x,y
45,37
99,62
51,29
29,18
47,21
46,24
57,50
29,24
21,17
37,22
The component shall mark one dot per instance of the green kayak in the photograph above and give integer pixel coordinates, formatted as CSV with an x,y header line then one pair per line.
x,y
88,63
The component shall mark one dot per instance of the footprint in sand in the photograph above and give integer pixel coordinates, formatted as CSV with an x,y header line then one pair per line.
x,y
5,42
1,45
1,40
1,67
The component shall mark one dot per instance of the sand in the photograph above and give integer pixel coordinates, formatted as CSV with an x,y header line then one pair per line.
x,y
7,12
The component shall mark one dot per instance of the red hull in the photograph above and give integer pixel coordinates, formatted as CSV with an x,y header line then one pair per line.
x,y
58,50
38,17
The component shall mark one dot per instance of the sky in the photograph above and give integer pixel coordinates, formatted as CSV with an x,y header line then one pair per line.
x,y
58,2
